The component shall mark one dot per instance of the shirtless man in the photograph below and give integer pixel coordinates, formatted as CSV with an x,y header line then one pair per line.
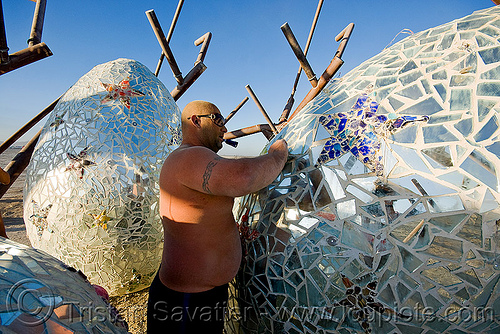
x,y
202,249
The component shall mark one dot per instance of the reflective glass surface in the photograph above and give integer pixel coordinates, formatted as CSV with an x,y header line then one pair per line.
x,y
402,212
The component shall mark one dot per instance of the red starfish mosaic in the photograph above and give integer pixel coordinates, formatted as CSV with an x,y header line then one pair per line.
x,y
122,92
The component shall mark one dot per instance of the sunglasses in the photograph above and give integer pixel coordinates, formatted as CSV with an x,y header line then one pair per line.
x,y
218,119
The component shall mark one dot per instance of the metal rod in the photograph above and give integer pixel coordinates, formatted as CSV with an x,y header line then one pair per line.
x,y
235,110
313,27
344,35
290,37
190,78
261,108
12,139
169,35
289,105
37,26
19,163
155,24
330,71
264,128
4,49
25,57
205,39
291,100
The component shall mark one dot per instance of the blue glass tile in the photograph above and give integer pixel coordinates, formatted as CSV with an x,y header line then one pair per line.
x,y
412,51
446,42
484,41
427,107
409,78
492,74
490,56
441,91
472,24
494,148
441,75
460,99
381,82
487,130
445,118
488,89
461,80
437,134
407,135
412,92
410,65
482,172
395,104
464,126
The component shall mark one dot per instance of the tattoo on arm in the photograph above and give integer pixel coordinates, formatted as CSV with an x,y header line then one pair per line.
x,y
208,174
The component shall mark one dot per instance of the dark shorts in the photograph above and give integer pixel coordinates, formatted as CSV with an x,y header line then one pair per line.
x,y
171,311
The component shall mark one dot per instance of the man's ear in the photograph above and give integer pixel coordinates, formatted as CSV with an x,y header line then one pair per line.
x,y
196,121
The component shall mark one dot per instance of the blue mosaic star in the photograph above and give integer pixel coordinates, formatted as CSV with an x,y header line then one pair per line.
x,y
360,131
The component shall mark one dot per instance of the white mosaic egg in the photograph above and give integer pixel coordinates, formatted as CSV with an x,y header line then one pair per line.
x,y
40,294
387,220
91,194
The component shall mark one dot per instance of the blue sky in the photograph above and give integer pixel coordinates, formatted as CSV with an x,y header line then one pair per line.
x,y
247,47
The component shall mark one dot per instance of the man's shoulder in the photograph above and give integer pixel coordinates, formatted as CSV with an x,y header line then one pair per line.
x,y
188,151
190,154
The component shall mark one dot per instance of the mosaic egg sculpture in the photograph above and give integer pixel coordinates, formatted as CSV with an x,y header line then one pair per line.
x,y
387,219
40,294
92,190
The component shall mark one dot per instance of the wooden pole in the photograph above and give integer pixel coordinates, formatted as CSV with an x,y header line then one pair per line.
x,y
4,49
190,78
261,108
6,144
304,64
20,162
343,37
291,99
264,128
25,57
155,24
232,113
205,39
169,35
37,26
330,71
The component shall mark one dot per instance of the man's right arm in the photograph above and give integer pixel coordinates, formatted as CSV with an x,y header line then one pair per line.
x,y
205,171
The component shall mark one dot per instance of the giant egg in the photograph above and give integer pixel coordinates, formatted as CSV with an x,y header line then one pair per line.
x,y
40,294
91,194
387,219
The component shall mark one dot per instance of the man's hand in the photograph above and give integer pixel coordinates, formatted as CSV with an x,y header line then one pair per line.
x,y
280,148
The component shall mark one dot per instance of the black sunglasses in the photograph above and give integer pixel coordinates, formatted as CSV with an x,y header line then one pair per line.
x,y
218,119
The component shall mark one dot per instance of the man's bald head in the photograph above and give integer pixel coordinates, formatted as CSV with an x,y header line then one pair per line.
x,y
197,108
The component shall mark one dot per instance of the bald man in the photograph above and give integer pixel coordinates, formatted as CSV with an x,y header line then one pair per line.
x,y
202,248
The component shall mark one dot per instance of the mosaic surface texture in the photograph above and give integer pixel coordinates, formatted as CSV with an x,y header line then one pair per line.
x,y
387,220
92,189
40,294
